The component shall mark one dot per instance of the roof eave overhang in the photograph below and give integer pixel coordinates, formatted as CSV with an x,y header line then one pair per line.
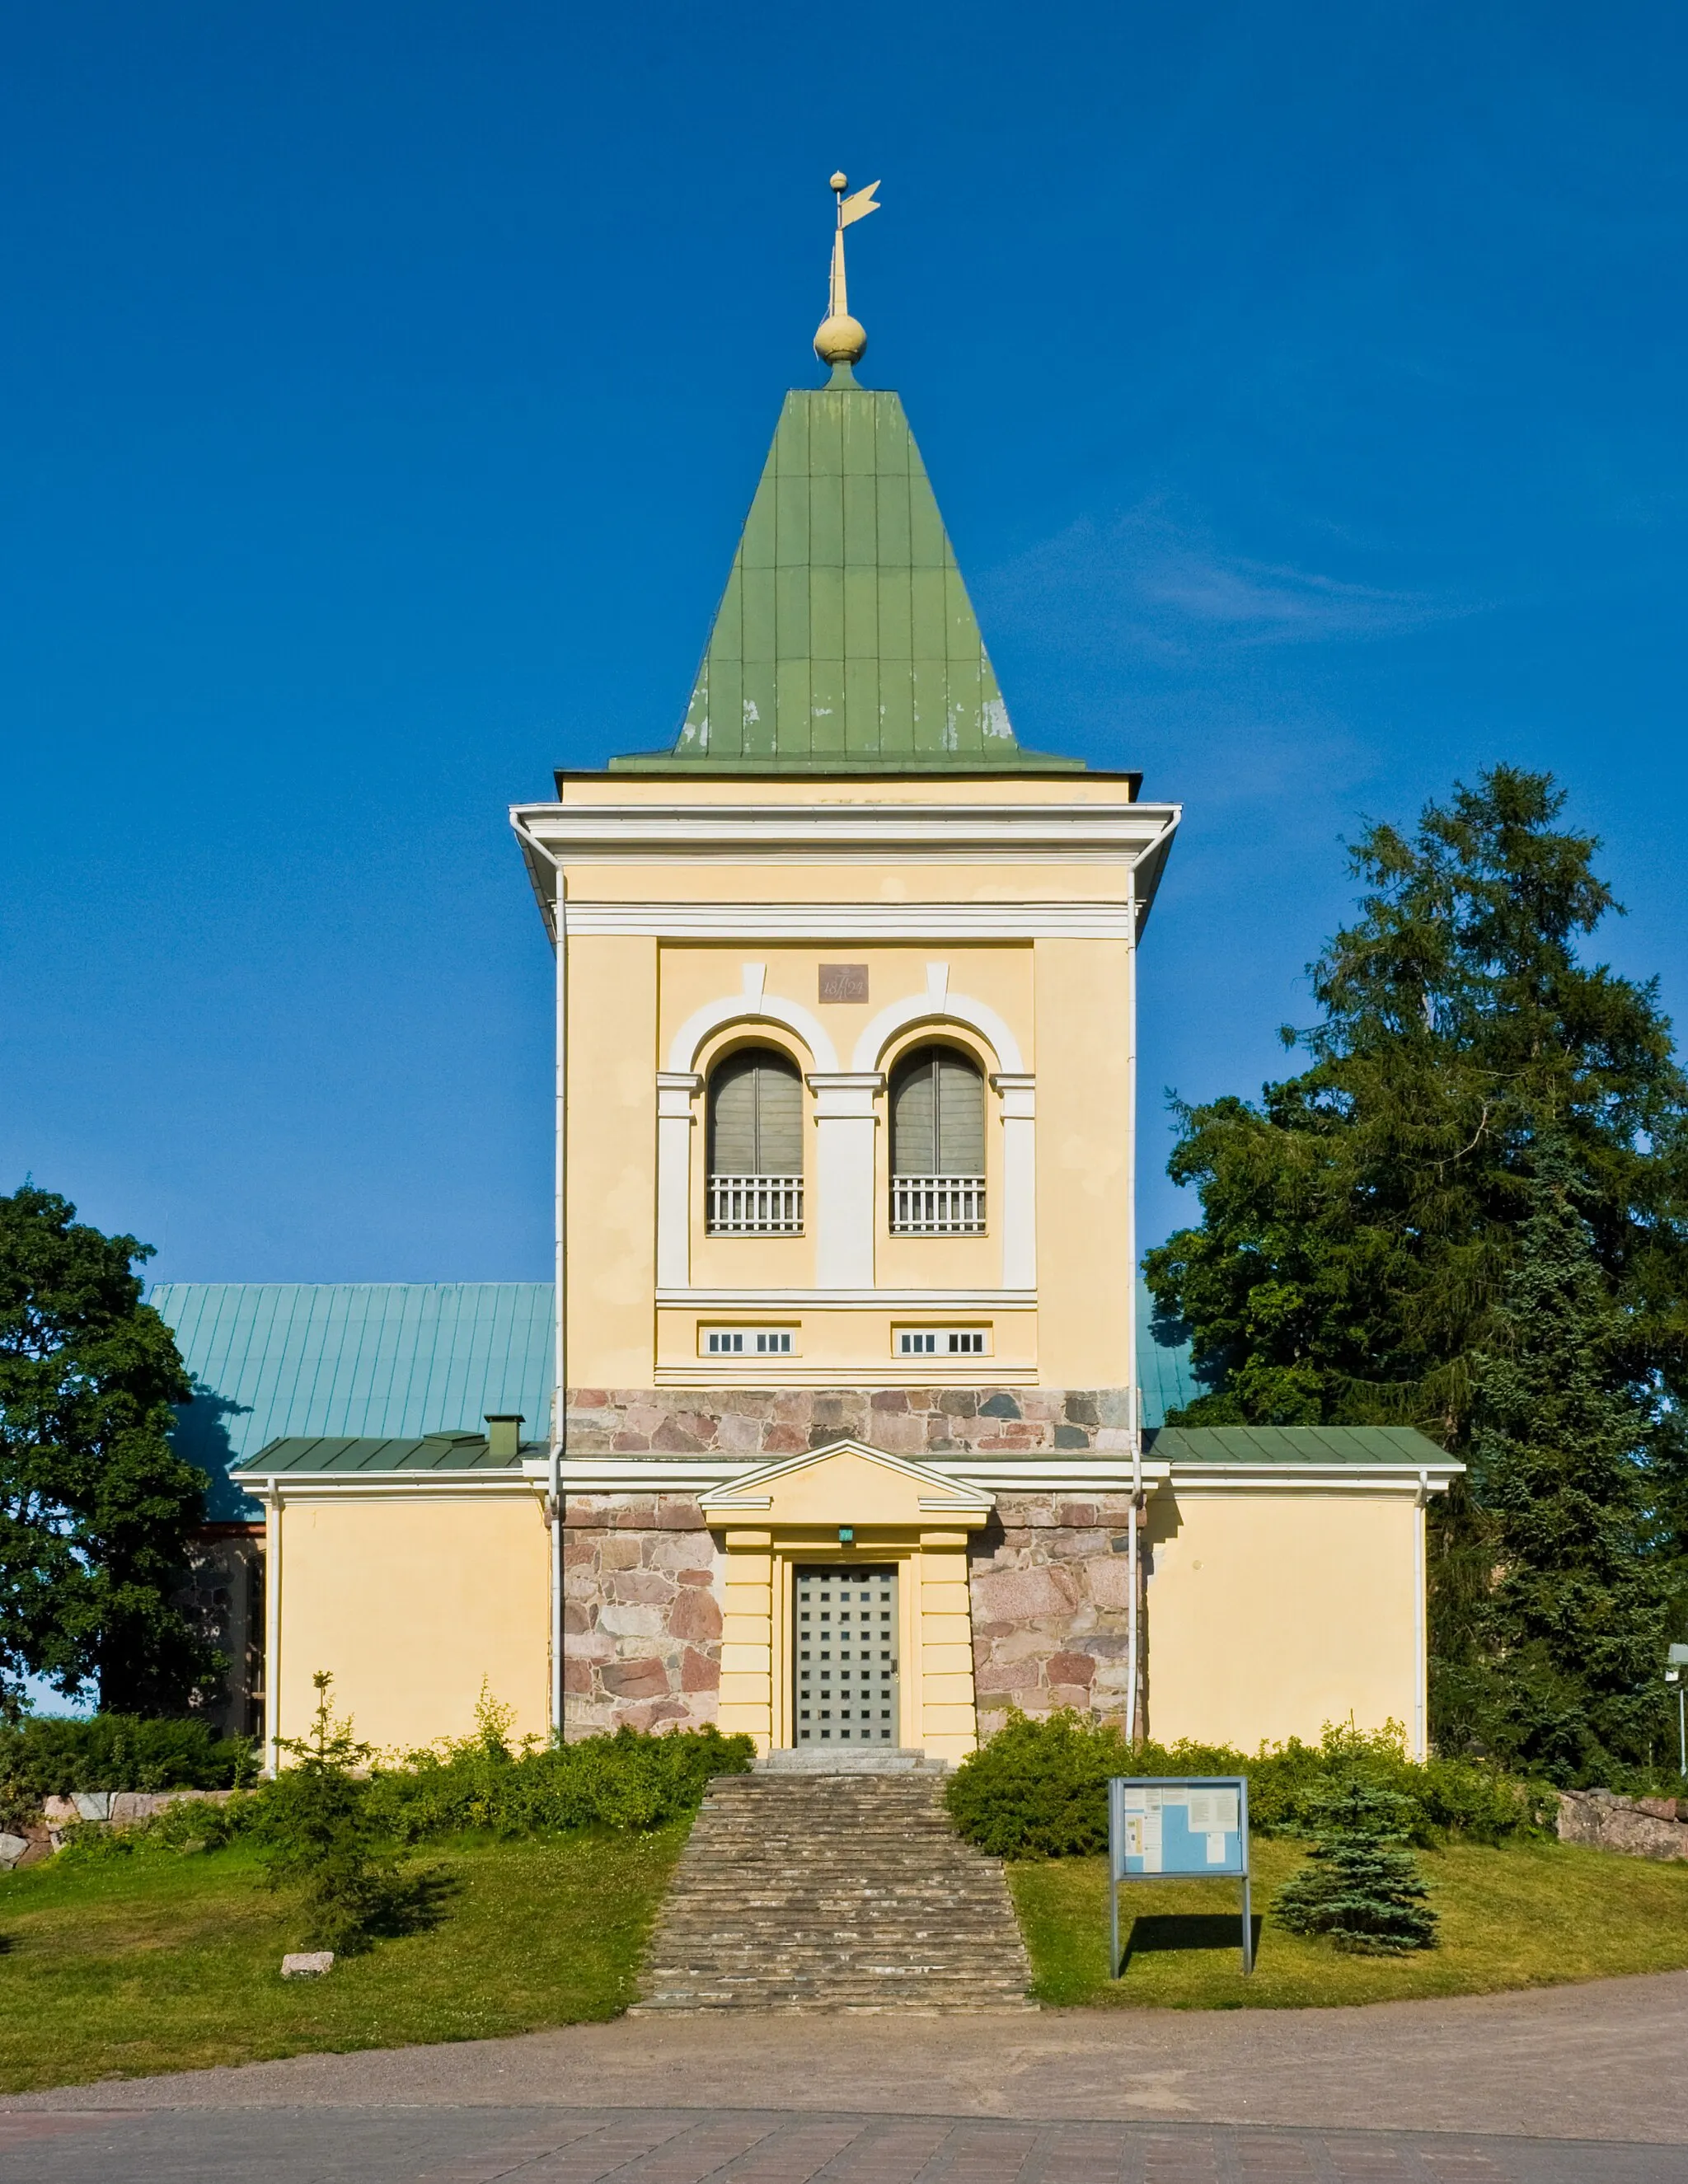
x,y
264,1484
1135,835
1373,1478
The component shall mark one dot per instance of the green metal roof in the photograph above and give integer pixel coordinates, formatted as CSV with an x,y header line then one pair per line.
x,y
846,639
271,1359
304,1452
1315,1445
1164,1370
383,1365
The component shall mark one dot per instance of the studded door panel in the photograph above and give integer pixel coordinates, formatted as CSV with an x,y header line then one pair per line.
x,y
846,1642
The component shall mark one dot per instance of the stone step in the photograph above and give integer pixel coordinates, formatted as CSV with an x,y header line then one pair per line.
x,y
818,1888
810,1760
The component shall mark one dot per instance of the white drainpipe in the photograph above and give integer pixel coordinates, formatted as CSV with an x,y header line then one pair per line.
x,y
560,1358
1421,1667
1131,1643
1135,1393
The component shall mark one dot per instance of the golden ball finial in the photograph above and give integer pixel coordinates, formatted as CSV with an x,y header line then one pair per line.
x,y
841,339
839,182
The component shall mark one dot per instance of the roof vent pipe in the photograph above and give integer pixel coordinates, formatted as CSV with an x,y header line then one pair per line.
x,y
503,1436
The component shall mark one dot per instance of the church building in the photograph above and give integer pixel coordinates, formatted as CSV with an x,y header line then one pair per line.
x,y
844,1440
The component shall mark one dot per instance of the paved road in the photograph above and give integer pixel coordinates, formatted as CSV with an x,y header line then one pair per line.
x,y
1604,2061
1569,2083
474,2145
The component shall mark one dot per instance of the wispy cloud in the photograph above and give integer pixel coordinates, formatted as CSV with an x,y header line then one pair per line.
x,y
1151,580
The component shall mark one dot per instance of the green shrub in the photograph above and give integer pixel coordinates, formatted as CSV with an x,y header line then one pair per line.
x,y
44,1755
1039,1788
1359,1886
629,1780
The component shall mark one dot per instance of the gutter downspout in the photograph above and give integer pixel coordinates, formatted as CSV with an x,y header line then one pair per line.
x,y
1421,1666
1133,1394
1132,1567
559,1399
271,1491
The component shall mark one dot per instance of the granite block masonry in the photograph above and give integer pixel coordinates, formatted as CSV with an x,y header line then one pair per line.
x,y
643,1575
918,1423
1638,1827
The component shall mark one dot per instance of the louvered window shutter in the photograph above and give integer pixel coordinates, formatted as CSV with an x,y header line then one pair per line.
x,y
913,1117
756,1115
779,1119
959,1099
936,1115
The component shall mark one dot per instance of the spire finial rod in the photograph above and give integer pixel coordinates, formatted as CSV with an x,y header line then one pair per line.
x,y
841,339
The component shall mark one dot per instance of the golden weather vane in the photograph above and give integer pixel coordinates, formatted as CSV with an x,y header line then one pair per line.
x,y
841,339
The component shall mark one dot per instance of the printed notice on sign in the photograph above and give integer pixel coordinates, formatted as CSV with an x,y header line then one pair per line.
x,y
1180,1827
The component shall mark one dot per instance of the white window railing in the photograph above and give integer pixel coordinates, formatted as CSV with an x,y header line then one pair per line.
x,y
937,1204
755,1205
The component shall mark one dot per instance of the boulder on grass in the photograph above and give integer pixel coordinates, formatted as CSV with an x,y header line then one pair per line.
x,y
308,1964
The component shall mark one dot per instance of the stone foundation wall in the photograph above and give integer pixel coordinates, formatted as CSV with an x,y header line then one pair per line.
x,y
643,1577
911,1421
1051,1609
642,1585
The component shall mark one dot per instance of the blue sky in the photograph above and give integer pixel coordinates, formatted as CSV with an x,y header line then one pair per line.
x,y
381,389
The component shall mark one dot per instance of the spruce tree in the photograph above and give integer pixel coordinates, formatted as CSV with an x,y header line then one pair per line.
x,y
1360,1220
1564,1673
1359,1886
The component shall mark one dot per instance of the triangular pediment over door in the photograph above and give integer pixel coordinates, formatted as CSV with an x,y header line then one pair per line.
x,y
848,1482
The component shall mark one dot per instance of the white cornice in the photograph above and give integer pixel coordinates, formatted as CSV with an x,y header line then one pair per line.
x,y
776,1372
1410,1479
1054,1473
620,833
1031,1473
289,1485
842,1299
846,922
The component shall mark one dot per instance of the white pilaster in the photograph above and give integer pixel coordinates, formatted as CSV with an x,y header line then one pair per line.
x,y
1018,1096
844,1124
676,1089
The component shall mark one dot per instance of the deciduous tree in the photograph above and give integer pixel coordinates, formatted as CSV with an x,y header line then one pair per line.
x,y
96,1508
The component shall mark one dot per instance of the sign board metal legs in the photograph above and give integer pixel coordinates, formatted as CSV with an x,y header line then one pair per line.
x,y
1191,1827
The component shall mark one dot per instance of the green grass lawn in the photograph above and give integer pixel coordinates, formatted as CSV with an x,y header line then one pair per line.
x,y
1534,1915
129,1966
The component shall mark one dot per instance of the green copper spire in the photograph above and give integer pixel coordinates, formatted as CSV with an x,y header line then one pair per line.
x,y
846,639
845,636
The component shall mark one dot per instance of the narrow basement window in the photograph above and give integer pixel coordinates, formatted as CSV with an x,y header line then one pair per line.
x,y
748,1341
942,1342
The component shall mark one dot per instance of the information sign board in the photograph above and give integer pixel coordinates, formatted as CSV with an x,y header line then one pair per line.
x,y
1190,1827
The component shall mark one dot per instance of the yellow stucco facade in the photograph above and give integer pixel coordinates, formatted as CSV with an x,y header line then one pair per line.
x,y
682,913
1271,1613
412,1601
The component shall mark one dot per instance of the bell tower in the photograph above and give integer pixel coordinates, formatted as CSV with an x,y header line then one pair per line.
x,y
846,997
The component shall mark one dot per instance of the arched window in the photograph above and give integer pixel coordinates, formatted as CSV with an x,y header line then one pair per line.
x,y
755,1145
937,1144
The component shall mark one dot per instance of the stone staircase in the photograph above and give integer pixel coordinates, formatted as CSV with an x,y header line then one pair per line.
x,y
833,1882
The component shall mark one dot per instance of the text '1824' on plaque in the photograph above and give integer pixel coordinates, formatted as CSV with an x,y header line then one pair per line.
x,y
843,981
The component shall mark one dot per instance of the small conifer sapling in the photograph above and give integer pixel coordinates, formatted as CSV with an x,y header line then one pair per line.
x,y
1359,1886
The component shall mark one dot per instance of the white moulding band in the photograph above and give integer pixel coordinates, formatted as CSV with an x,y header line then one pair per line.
x,y
852,1299
852,921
